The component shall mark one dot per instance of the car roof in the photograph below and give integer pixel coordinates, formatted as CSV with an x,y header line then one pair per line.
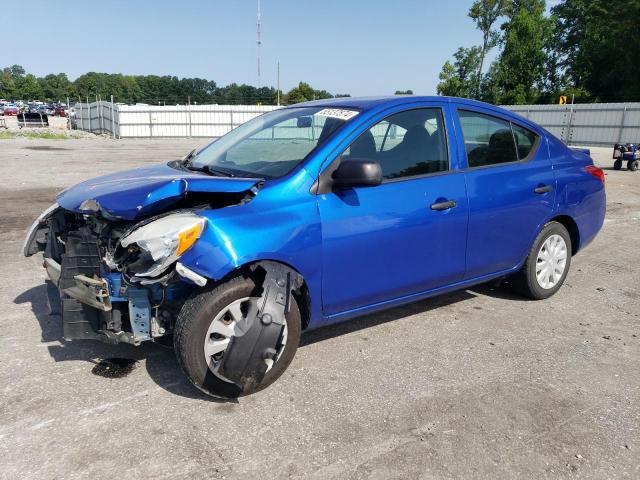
x,y
367,103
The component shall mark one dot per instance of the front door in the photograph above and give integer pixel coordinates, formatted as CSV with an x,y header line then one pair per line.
x,y
404,236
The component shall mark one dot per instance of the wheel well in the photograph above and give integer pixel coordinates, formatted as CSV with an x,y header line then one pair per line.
x,y
572,227
301,294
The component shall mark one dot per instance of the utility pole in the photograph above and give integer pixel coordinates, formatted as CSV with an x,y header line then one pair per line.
x,y
259,42
278,84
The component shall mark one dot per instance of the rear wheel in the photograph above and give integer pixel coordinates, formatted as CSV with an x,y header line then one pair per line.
x,y
547,264
205,326
617,165
633,165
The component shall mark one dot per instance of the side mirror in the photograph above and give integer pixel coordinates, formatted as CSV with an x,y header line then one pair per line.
x,y
357,172
304,122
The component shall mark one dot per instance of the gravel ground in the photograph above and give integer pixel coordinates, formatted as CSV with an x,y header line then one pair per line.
x,y
476,384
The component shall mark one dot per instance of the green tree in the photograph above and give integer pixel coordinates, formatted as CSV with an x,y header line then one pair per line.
x,y
485,13
28,88
152,89
598,44
8,78
521,66
17,71
56,87
305,92
7,85
460,78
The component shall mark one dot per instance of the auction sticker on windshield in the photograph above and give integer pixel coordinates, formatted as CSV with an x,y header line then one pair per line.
x,y
337,113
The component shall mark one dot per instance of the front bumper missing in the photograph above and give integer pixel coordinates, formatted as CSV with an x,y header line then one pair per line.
x,y
95,293
90,291
53,270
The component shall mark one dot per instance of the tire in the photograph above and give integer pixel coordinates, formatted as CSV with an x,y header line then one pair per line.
x,y
617,165
192,326
633,165
526,280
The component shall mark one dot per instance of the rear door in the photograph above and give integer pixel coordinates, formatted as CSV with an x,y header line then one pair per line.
x,y
510,185
401,237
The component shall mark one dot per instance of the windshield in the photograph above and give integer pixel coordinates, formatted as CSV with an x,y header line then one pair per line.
x,y
272,144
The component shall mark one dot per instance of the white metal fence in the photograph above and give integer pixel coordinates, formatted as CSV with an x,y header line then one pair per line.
x,y
591,125
97,117
597,124
147,121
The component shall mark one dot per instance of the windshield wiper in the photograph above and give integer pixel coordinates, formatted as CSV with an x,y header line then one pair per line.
x,y
211,171
216,171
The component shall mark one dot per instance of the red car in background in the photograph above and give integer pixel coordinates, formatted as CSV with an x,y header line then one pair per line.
x,y
61,111
11,110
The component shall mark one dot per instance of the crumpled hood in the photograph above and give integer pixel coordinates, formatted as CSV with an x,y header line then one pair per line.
x,y
142,191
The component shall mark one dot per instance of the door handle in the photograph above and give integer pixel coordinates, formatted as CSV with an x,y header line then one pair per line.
x,y
446,205
543,189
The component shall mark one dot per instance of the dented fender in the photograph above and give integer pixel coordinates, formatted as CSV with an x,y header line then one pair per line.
x,y
267,228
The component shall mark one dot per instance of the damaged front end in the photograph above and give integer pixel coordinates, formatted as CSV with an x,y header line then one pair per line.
x,y
119,276
118,281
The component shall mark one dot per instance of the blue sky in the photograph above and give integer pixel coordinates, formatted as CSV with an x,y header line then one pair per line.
x,y
361,47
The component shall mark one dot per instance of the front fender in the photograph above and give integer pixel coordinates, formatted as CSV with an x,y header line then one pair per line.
x,y
274,226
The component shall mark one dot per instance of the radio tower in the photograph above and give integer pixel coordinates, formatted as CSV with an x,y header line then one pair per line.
x,y
259,42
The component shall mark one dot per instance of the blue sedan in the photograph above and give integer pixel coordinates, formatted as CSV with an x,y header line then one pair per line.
x,y
310,215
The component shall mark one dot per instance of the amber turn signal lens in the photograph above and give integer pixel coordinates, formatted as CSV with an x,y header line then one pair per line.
x,y
187,238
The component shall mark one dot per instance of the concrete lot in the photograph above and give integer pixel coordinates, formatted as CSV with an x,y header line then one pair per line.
x,y
476,384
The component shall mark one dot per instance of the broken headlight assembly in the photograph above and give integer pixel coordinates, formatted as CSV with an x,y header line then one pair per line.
x,y
150,249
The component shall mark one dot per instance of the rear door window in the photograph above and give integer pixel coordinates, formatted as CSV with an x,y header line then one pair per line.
x,y
488,140
525,140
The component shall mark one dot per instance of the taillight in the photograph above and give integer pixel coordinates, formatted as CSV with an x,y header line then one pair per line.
x,y
596,172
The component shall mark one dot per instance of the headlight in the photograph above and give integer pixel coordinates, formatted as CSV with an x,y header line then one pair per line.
x,y
162,241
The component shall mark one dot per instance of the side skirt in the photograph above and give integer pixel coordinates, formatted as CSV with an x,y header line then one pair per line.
x,y
414,297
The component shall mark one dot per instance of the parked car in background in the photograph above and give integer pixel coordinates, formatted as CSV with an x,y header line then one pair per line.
x,y
61,111
11,110
310,215
45,110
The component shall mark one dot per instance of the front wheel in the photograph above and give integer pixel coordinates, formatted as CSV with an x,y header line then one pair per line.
x,y
633,165
205,326
617,165
547,264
